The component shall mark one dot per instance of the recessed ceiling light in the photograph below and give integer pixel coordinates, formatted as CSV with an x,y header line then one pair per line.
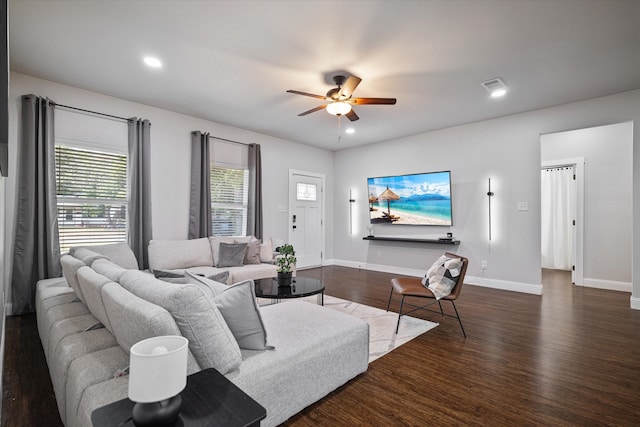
x,y
496,87
152,62
350,130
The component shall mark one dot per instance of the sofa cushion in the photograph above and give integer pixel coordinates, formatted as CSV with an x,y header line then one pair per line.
x,y
108,269
70,348
119,253
172,254
65,327
91,284
85,254
316,351
90,369
238,305
133,319
231,254
252,272
199,320
70,266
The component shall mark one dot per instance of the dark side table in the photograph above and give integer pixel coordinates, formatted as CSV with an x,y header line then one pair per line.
x,y
209,399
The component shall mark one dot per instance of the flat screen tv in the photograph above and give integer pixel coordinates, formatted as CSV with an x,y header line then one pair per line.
x,y
415,199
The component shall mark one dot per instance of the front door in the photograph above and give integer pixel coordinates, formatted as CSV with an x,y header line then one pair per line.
x,y
306,217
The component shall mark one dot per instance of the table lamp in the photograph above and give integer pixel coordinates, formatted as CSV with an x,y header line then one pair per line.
x,y
157,375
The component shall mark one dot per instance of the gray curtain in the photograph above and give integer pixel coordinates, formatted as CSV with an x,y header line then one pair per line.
x,y
200,204
254,209
140,230
36,249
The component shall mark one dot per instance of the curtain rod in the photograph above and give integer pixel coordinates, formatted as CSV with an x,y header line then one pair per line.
x,y
229,140
557,167
89,111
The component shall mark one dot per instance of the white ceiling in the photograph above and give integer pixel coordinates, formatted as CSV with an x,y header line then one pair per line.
x,y
232,61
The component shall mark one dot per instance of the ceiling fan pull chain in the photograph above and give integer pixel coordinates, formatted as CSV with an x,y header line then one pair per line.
x,y
339,128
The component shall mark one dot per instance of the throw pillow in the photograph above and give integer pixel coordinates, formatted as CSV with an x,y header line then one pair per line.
x,y
442,276
238,306
170,276
266,251
231,254
221,277
252,256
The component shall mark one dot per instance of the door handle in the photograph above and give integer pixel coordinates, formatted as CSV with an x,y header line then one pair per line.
x,y
294,227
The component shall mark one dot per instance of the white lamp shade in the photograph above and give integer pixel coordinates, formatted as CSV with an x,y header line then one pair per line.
x,y
337,108
157,368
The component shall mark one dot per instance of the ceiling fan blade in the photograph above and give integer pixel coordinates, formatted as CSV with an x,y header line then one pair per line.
x,y
348,87
380,101
351,115
306,94
313,110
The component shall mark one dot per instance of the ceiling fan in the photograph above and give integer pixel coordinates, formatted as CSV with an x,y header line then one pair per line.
x,y
339,100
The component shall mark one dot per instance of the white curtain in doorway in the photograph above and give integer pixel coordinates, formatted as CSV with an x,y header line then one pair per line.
x,y
557,214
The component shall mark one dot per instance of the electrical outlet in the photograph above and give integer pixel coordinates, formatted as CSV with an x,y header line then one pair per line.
x,y
484,265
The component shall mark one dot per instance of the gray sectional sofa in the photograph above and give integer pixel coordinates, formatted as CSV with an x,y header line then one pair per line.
x,y
285,356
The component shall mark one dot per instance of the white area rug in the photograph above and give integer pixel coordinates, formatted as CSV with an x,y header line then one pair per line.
x,y
382,324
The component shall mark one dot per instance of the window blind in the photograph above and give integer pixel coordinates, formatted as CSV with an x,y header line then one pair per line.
x,y
91,187
229,199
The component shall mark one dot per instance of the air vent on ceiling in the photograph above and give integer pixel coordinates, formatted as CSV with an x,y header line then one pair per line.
x,y
496,87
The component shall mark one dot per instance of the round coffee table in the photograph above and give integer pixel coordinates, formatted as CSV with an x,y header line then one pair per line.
x,y
300,287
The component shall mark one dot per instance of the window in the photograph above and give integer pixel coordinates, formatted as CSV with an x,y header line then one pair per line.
x,y
91,186
306,192
229,199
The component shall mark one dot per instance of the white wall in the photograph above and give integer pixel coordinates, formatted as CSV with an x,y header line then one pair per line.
x,y
507,150
608,152
170,158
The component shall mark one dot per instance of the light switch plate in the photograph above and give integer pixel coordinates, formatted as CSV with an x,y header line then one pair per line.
x,y
523,206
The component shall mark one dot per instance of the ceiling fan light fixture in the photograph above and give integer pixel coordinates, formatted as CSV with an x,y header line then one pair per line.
x,y
338,108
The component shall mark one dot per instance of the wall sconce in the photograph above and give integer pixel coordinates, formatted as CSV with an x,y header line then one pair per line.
x,y
490,195
351,202
157,375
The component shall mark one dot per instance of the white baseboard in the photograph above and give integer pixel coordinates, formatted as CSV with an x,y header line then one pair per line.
x,y
527,288
8,309
635,303
611,285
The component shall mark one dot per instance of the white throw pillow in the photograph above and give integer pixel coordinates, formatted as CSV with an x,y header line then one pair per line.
x,y
442,276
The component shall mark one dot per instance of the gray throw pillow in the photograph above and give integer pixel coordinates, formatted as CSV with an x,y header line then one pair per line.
x,y
231,254
170,276
238,306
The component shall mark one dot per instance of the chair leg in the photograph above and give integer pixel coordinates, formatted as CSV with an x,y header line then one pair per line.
x,y
399,314
390,295
459,320
440,305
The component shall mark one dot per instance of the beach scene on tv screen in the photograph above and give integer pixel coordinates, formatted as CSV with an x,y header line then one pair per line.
x,y
417,199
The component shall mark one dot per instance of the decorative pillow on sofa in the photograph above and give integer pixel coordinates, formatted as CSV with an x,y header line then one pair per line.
x,y
252,255
266,250
442,276
232,254
238,306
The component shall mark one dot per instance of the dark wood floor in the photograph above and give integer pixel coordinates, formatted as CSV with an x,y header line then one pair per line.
x,y
570,357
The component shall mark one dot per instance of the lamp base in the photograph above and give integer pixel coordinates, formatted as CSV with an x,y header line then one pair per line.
x,y
163,413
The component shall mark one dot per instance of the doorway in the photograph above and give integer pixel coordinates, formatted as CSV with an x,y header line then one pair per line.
x,y
561,214
306,217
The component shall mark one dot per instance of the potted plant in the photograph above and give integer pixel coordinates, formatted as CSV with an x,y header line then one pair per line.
x,y
286,261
